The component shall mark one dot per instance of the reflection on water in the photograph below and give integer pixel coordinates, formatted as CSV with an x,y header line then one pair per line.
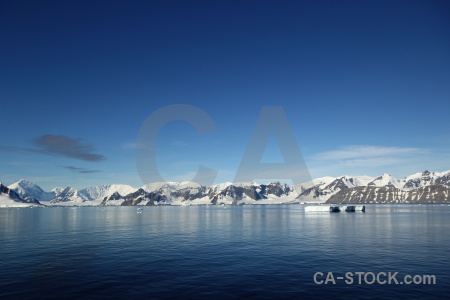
x,y
213,251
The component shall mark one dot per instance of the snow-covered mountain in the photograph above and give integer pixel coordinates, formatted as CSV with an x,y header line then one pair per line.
x,y
9,198
321,189
329,188
139,197
91,193
426,178
387,180
275,192
68,194
390,194
99,192
192,193
27,190
343,188
422,187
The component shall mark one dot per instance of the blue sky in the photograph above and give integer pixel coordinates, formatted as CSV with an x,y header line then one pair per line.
x,y
364,84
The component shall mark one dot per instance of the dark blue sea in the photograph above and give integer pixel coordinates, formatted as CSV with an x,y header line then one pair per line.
x,y
204,252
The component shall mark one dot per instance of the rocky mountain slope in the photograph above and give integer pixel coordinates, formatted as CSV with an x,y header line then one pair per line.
x,y
390,194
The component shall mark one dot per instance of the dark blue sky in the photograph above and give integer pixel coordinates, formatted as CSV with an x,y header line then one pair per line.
x,y
365,84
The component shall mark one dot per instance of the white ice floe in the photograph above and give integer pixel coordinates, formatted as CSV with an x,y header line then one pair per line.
x,y
321,208
334,208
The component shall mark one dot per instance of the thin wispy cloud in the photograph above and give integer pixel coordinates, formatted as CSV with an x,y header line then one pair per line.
x,y
365,151
81,170
370,162
367,159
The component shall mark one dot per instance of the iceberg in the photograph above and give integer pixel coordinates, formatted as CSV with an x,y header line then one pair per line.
x,y
333,208
323,208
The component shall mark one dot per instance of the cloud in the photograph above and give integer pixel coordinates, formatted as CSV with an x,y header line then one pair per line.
x,y
65,146
60,145
371,162
364,152
368,159
81,170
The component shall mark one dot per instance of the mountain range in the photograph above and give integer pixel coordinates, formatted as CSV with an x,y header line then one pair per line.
x,y
422,187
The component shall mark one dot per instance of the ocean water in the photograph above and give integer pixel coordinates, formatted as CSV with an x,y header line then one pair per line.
x,y
203,252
